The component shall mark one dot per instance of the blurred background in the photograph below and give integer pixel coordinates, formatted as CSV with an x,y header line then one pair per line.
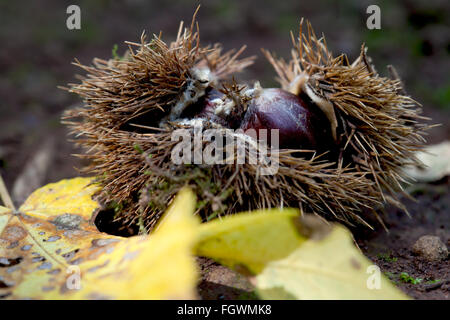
x,y
37,49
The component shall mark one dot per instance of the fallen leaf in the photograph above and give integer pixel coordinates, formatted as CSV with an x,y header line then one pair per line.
x,y
436,163
292,257
251,240
331,268
50,250
66,196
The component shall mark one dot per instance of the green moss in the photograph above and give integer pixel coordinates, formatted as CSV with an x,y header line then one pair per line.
x,y
138,148
117,56
387,257
116,207
406,278
212,215
141,225
433,281
114,52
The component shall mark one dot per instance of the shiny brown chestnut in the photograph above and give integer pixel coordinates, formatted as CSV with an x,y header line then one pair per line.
x,y
301,124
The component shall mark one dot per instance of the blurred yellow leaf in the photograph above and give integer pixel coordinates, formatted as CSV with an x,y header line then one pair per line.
x,y
436,163
250,239
50,250
292,257
4,210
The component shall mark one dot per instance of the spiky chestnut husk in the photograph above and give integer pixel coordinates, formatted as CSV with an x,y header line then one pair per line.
x,y
375,128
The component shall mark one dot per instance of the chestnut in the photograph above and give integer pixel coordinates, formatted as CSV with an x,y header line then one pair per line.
x,y
218,108
301,124
205,107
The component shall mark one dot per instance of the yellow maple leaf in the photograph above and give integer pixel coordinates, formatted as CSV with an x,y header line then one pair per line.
x,y
49,249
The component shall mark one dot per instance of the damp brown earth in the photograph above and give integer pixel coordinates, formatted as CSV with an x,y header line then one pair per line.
x,y
393,250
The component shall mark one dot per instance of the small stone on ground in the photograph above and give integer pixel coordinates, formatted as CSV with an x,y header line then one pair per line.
x,y
430,248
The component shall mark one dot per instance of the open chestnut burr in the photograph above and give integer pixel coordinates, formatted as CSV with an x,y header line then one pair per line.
x,y
300,123
365,123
